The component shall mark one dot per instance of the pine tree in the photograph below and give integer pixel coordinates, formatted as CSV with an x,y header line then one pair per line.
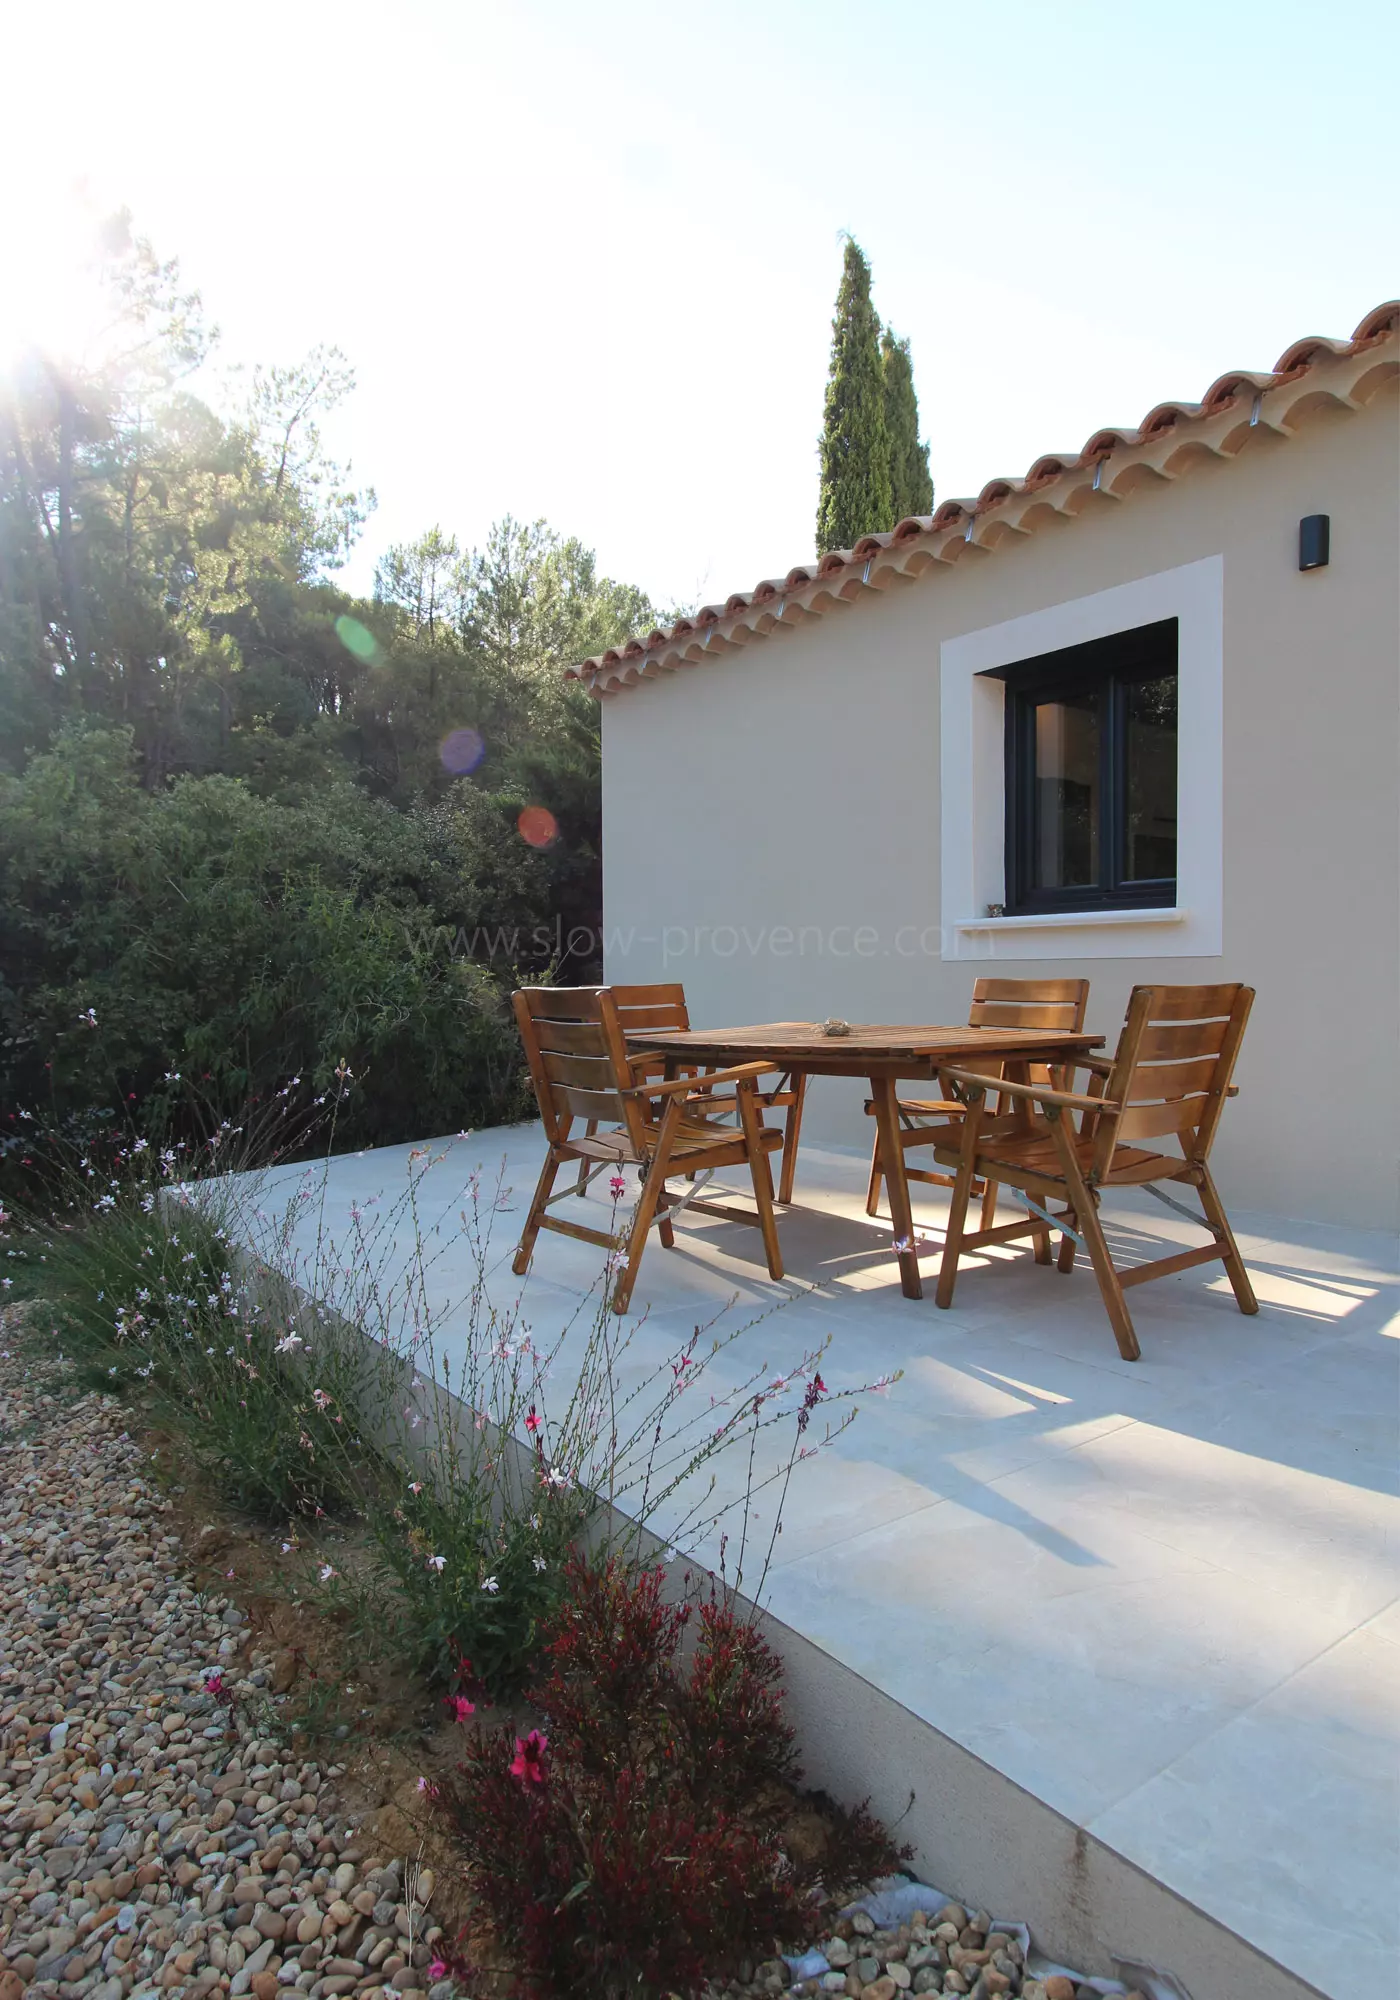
x,y
855,497
910,482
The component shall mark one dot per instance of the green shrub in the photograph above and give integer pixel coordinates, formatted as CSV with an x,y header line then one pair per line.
x,y
211,934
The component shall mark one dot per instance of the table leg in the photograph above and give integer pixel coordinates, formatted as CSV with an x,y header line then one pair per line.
x,y
1020,1072
882,1089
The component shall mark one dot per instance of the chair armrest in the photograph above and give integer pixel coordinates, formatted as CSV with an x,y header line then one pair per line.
x,y
1034,1093
700,1084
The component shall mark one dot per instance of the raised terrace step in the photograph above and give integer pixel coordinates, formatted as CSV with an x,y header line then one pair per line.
x,y
1129,1631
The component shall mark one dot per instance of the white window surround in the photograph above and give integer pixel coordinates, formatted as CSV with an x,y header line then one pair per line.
x,y
973,776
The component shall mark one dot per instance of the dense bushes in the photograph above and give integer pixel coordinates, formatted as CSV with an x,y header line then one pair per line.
x,y
203,929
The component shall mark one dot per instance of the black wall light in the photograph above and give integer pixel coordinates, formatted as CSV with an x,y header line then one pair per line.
x,y
1314,541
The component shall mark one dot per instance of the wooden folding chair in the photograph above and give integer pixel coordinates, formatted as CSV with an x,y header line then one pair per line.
x,y
580,1068
663,1006
996,1003
1170,1076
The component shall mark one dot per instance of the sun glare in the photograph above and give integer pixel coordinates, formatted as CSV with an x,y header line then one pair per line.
x,y
48,298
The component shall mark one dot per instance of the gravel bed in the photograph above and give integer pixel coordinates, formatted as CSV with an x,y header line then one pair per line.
x,y
942,1950
156,1834
152,1837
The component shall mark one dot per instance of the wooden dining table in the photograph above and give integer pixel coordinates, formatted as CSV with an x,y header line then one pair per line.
x,y
884,1056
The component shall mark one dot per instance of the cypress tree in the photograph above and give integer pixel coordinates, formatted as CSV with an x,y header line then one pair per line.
x,y
855,497
910,483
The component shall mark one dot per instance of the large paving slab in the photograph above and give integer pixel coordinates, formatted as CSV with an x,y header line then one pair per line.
x,y
1160,1598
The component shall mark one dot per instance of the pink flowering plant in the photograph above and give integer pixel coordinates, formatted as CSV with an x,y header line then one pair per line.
x,y
636,1842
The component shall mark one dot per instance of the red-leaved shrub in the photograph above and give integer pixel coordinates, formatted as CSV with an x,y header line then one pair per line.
x,y
634,1843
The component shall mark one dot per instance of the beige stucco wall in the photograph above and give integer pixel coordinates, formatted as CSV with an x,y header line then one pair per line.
x,y
796,784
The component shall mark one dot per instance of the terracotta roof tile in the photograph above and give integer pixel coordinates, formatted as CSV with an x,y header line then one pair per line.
x,y
1171,437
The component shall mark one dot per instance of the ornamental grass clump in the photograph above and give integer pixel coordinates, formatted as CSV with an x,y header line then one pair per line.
x,y
635,1843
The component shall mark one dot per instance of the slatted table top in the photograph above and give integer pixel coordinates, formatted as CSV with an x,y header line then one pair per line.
x,y
866,1047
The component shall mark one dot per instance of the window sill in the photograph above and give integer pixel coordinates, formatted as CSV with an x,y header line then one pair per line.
x,y
1059,920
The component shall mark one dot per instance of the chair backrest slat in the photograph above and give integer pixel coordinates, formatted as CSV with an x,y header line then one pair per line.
x,y
1172,1067
660,1016
604,1105
572,1038
577,1054
663,993
1194,1003
1153,1121
1029,1003
1176,1042
583,1072
560,1003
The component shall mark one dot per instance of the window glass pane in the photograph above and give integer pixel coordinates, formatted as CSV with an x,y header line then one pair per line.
x,y
1150,819
1067,791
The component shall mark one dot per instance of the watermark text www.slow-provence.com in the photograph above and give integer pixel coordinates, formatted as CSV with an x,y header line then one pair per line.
x,y
678,943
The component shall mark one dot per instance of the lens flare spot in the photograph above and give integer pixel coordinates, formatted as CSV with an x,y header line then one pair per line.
x,y
538,827
461,751
356,638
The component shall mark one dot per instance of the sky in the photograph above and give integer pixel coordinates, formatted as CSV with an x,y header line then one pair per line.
x,y
583,259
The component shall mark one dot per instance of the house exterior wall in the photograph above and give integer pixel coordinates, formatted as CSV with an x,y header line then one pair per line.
x,y
772,824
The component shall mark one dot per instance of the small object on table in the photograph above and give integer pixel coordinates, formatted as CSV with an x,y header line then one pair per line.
x,y
834,1027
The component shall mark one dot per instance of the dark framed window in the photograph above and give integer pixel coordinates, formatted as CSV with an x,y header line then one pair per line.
x,y
1091,775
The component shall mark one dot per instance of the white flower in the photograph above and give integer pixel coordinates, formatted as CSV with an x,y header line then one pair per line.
x,y
439,1563
490,1583
288,1343
327,1572
540,1562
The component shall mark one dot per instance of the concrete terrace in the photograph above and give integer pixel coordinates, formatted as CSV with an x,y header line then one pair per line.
x,y
1131,1632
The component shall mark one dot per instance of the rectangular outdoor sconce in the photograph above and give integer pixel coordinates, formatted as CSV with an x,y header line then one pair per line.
x,y
1314,541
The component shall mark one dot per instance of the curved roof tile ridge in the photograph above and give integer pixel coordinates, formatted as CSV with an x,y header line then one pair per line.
x,y
690,637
